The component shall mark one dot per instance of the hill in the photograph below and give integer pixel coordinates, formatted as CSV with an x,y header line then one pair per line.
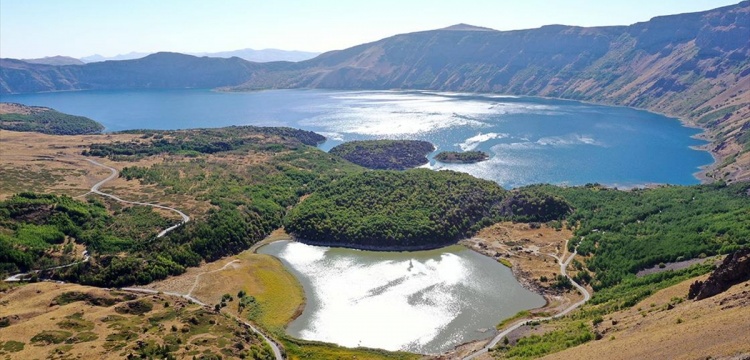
x,y
18,117
55,60
157,71
264,55
413,209
48,320
692,66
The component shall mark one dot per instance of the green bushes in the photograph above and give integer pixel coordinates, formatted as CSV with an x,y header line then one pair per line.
x,y
461,157
568,335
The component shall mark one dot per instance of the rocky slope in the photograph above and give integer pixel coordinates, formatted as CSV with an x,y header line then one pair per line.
x,y
692,66
734,269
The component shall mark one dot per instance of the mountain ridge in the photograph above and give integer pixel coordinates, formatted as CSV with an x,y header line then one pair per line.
x,y
691,66
253,55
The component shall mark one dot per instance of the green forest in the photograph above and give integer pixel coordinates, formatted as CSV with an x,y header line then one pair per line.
x,y
385,154
626,231
410,209
37,231
49,121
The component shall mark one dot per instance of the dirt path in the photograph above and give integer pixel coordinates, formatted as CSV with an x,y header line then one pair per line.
x,y
113,175
274,346
95,190
563,270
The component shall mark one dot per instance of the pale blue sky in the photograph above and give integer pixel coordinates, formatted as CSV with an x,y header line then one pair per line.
x,y
37,28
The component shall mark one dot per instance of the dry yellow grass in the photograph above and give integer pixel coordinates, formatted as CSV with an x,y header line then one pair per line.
x,y
278,293
717,327
48,163
54,164
103,332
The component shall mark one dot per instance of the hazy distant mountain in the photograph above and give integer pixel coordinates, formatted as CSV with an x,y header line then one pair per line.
x,y
158,71
467,27
55,60
265,55
693,66
128,56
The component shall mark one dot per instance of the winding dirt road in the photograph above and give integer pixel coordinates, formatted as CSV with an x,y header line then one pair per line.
x,y
113,175
504,333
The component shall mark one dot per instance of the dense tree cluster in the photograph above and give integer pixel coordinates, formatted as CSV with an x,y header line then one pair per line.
x,y
48,121
531,205
206,141
385,154
627,231
465,157
411,209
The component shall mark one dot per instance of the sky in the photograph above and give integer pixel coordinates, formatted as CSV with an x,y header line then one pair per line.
x,y
78,28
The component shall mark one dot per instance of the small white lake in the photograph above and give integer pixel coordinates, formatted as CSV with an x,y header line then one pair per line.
x,y
420,301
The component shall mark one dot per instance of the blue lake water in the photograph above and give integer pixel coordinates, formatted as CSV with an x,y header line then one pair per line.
x,y
530,140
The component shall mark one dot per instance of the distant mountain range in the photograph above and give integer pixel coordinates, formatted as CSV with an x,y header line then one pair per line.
x,y
694,66
265,55
55,60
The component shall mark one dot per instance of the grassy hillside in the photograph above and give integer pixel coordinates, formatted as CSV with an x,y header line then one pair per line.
x,y
17,117
47,320
237,193
235,183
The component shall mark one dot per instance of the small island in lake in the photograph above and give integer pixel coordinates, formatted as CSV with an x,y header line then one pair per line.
x,y
385,154
466,157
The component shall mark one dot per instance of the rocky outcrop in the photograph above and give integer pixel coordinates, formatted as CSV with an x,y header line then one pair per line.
x,y
734,269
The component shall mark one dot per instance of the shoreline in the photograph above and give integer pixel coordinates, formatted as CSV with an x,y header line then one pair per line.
x,y
552,299
389,248
704,135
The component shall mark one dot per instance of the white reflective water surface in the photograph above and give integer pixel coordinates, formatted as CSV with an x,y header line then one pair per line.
x,y
420,301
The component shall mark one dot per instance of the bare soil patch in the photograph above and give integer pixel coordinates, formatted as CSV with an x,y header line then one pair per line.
x,y
530,251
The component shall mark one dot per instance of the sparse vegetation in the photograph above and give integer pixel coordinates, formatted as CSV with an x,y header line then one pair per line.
x,y
568,334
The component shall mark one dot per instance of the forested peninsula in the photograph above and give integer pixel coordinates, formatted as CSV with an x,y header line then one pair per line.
x,y
18,117
390,210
